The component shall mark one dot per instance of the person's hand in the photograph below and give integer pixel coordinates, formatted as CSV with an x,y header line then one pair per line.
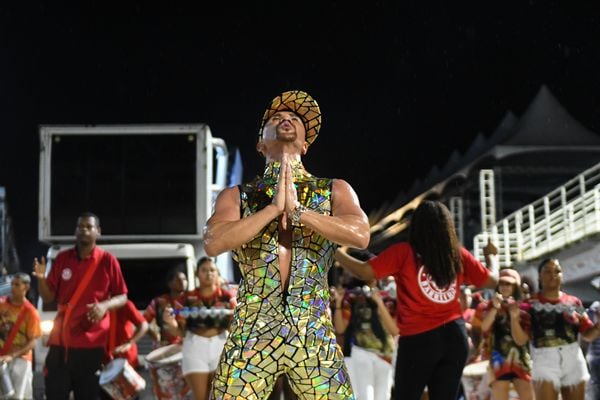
x,y
124,348
513,309
291,197
6,359
168,317
497,300
339,293
96,311
376,296
279,195
39,268
489,248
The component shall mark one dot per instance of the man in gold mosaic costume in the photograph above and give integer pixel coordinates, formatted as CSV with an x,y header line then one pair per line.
x,y
283,228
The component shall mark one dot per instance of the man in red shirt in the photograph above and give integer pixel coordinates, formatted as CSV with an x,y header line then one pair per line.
x,y
85,282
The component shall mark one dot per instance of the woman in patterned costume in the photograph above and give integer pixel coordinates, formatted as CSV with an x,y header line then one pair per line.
x,y
509,360
284,228
556,319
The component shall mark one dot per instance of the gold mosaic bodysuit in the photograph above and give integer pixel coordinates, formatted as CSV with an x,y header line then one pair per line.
x,y
275,332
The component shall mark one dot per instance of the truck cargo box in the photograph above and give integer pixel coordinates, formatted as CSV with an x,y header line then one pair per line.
x,y
145,182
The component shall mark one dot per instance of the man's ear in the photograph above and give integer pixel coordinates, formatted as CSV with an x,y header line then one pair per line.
x,y
260,146
305,148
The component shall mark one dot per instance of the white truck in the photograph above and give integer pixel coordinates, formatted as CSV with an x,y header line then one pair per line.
x,y
153,188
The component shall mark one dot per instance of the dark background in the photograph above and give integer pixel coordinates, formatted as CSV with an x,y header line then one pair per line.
x,y
401,84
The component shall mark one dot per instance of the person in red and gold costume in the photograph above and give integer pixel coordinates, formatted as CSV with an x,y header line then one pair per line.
x,y
556,321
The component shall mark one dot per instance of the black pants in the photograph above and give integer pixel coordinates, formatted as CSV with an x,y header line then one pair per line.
x,y
435,359
79,373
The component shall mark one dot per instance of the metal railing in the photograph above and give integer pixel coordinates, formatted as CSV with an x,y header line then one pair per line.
x,y
564,216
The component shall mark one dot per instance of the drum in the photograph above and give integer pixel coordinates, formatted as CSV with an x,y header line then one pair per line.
x,y
120,380
164,365
473,378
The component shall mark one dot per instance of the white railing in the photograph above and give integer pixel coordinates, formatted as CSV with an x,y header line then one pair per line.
x,y
564,216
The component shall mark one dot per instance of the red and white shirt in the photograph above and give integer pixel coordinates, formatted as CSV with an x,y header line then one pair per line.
x,y
64,278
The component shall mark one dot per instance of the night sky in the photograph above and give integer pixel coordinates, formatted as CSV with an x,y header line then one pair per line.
x,y
401,84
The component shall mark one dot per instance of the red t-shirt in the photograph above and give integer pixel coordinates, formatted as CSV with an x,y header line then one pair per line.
x,y
126,319
423,306
64,278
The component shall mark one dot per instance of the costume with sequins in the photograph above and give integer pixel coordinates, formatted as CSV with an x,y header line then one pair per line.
x,y
276,331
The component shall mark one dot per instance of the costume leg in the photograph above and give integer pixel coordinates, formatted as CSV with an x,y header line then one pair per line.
x,y
319,372
248,374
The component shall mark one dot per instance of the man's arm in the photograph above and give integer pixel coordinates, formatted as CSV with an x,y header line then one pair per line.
x,y
348,225
96,311
225,230
19,352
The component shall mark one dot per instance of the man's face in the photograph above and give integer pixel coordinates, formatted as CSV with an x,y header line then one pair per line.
x,y
87,231
284,127
178,283
18,287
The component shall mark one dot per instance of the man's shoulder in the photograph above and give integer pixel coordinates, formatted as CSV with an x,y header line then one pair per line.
x,y
68,252
104,255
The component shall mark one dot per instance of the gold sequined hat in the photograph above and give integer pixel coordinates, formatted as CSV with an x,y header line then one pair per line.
x,y
302,104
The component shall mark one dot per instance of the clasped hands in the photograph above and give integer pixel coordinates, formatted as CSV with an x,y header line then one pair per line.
x,y
285,197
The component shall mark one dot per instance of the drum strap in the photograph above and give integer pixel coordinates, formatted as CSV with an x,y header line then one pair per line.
x,y
87,277
15,328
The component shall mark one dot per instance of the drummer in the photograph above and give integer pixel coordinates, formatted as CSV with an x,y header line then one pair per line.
x,y
176,283
203,322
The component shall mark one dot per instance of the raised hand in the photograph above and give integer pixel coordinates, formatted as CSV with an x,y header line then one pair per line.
x,y
291,197
497,300
279,195
39,268
490,248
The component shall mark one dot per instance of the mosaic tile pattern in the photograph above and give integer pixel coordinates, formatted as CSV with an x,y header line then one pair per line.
x,y
273,332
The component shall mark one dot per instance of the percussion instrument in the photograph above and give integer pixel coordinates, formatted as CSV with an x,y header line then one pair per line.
x,y
120,380
164,365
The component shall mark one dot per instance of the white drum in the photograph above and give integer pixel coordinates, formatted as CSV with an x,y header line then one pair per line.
x,y
164,365
120,380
